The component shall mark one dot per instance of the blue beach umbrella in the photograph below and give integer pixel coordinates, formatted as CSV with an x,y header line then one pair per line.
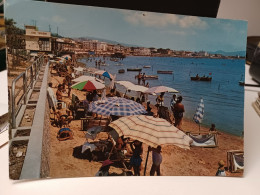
x,y
108,75
199,114
117,106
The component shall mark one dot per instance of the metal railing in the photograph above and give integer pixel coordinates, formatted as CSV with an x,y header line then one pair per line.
x,y
21,86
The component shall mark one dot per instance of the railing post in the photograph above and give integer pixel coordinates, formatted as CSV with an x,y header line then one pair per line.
x,y
31,70
25,86
13,105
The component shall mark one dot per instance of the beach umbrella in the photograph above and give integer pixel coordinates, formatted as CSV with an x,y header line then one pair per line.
x,y
87,78
116,106
160,89
108,75
151,131
88,85
199,114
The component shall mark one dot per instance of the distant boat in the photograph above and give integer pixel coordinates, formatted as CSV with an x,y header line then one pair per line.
x,y
121,71
134,69
150,77
119,64
164,72
104,64
146,66
197,78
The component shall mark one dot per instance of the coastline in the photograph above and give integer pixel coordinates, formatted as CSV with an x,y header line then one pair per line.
x,y
66,159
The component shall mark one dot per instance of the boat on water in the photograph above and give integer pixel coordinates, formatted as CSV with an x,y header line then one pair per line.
x,y
119,64
121,71
198,78
150,77
134,69
164,72
146,66
104,64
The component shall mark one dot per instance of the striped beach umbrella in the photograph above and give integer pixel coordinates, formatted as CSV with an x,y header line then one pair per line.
x,y
88,85
116,106
199,114
151,131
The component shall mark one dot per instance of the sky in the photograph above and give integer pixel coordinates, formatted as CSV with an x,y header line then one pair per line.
x,y
146,29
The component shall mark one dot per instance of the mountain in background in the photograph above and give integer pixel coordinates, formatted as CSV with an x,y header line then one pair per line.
x,y
233,53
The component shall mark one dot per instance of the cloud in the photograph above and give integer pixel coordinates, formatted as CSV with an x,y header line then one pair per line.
x,y
58,19
192,21
159,20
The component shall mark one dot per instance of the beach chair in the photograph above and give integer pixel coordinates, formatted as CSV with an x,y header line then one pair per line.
x,y
204,140
77,107
235,161
90,121
163,112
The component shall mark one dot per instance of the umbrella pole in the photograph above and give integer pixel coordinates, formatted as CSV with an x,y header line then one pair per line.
x,y
199,128
146,161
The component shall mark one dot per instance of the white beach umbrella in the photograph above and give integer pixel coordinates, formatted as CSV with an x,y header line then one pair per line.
x,y
160,89
87,78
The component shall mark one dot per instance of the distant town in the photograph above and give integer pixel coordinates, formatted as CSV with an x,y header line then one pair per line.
x,y
40,41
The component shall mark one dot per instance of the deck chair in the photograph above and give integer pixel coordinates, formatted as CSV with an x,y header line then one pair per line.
x,y
89,122
235,161
204,140
163,112
77,107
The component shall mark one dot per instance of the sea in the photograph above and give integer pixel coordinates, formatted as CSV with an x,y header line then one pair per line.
x,y
223,97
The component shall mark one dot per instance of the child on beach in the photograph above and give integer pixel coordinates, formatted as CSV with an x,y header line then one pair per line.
x,y
157,160
221,169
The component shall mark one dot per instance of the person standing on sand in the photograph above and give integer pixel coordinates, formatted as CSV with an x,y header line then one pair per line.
x,y
59,93
143,79
221,169
136,159
178,111
157,160
139,77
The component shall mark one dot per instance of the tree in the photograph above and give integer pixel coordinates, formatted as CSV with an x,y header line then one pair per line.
x,y
15,41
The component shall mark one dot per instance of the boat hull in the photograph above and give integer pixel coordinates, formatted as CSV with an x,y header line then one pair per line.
x,y
164,72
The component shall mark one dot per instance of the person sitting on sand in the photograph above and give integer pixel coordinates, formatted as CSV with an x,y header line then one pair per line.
x,y
212,129
112,93
143,79
178,111
138,100
104,169
147,85
136,159
63,114
157,160
221,169
149,109
121,147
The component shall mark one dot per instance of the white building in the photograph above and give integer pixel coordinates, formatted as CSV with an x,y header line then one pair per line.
x,y
37,40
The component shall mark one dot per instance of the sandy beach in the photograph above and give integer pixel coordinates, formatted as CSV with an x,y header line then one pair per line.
x,y
66,160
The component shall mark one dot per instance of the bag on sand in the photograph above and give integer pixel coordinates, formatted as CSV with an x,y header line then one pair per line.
x,y
64,134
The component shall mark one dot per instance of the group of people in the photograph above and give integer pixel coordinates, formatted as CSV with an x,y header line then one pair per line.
x,y
136,158
176,107
141,78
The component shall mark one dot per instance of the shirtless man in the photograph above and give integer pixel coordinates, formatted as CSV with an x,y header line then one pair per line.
x,y
63,114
